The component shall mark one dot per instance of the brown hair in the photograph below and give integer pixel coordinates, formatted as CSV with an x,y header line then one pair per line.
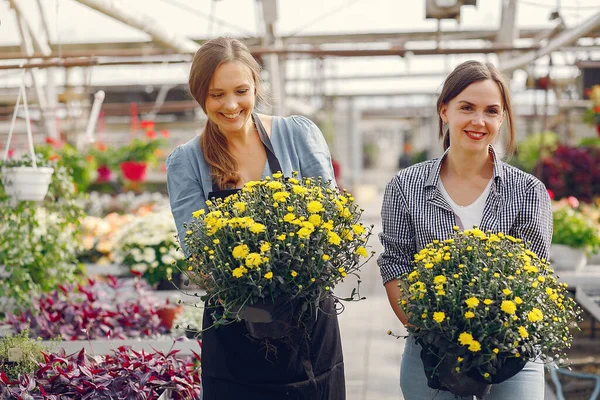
x,y
458,80
213,143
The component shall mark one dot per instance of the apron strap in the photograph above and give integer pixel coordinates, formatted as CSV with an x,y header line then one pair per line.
x,y
271,157
264,138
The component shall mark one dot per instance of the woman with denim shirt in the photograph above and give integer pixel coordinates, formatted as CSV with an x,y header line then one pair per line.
x,y
238,145
467,186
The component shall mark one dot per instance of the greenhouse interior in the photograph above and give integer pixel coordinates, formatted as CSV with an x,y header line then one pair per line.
x,y
104,294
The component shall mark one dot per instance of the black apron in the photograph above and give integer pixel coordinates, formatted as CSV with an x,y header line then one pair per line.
x,y
307,365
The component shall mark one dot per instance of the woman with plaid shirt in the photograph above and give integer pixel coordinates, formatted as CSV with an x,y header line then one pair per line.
x,y
468,186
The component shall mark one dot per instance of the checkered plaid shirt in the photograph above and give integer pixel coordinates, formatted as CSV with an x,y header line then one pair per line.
x,y
414,213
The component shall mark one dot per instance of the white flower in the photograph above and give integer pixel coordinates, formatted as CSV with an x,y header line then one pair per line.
x,y
167,259
141,268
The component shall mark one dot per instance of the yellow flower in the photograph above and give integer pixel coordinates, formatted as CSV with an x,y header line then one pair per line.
x,y
495,351
281,237
508,307
239,272
216,241
277,175
304,233
487,302
523,332
496,275
440,279
240,206
257,228
289,217
429,265
472,302
265,247
361,251
325,257
541,278
198,214
315,219
358,229
240,251
465,338
506,291
474,346
269,275
469,314
518,300
413,275
459,359
294,274
314,207
253,260
281,196
301,190
439,316
333,238
274,185
535,315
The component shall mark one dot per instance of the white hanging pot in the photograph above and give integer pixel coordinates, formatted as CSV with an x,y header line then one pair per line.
x,y
27,183
566,258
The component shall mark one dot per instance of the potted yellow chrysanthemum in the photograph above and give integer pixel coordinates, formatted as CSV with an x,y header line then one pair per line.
x,y
275,248
481,306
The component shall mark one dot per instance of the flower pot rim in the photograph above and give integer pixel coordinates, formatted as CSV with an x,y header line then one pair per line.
x,y
24,168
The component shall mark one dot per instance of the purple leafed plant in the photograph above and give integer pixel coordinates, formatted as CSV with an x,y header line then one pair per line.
x,y
126,374
92,311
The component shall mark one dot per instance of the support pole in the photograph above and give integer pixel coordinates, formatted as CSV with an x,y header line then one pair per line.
x,y
138,20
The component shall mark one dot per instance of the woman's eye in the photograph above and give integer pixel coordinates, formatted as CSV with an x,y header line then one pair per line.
x,y
492,111
243,91
216,95
466,108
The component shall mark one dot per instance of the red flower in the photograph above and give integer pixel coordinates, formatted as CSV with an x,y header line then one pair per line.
x,y
150,134
551,194
165,133
147,124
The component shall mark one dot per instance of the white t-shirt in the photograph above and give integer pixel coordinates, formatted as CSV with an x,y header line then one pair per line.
x,y
472,214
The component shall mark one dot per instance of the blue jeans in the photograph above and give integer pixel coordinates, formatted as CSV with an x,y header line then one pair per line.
x,y
526,385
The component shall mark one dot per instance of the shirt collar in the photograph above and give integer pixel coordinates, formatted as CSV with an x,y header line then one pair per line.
x,y
434,173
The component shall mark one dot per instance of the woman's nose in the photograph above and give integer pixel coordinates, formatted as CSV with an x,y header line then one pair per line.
x,y
230,103
477,119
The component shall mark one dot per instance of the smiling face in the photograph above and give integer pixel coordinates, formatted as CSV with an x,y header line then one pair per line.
x,y
231,97
474,116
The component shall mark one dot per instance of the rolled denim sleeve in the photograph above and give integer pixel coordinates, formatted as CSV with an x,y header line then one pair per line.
x,y
314,155
534,223
398,234
186,194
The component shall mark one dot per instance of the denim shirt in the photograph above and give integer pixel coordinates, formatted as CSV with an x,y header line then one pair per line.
x,y
298,144
414,212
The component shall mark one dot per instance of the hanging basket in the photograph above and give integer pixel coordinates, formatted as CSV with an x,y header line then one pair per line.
x,y
27,183
133,171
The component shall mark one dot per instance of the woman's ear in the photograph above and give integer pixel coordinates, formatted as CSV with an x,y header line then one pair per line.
x,y
443,114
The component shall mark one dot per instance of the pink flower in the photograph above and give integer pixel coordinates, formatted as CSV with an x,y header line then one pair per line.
x,y
573,202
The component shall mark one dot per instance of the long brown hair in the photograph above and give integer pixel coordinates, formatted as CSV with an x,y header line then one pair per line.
x,y
213,143
458,80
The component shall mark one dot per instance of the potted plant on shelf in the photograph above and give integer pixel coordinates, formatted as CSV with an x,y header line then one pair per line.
x,y
148,246
592,114
574,237
135,157
19,354
481,305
